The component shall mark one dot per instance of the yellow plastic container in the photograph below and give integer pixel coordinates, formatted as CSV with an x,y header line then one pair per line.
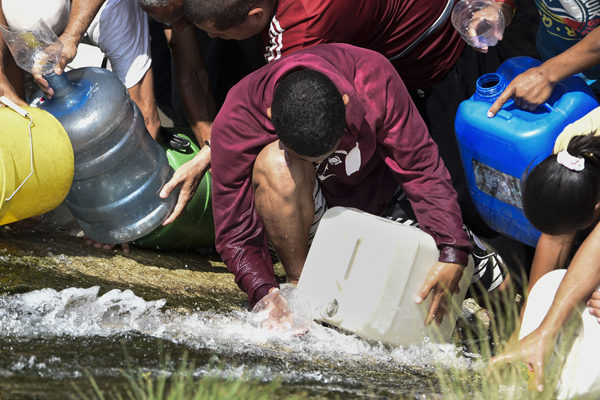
x,y
44,187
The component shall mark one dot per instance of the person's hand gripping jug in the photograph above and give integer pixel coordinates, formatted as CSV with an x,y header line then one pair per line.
x,y
496,152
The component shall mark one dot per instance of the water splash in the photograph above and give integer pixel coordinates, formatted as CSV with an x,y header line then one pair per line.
x,y
80,312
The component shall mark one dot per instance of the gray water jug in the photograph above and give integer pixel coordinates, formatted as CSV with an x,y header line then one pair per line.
x,y
119,168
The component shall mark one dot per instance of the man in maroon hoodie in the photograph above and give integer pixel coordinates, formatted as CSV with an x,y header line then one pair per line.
x,y
416,35
334,121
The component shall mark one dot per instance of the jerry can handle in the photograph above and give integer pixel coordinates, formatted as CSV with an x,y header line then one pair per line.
x,y
511,102
545,105
9,103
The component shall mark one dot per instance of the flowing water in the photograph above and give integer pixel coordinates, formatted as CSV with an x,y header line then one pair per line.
x,y
51,340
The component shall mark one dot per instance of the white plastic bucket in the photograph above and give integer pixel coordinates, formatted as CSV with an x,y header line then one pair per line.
x,y
580,373
363,272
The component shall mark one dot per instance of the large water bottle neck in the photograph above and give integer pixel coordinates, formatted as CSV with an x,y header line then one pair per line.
x,y
59,83
489,86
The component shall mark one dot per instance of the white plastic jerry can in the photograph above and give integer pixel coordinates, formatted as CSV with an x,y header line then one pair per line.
x,y
580,374
363,273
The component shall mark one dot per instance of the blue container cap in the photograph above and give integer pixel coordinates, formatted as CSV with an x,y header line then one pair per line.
x,y
489,86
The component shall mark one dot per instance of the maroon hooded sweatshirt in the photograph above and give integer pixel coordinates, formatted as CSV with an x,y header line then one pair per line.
x,y
385,144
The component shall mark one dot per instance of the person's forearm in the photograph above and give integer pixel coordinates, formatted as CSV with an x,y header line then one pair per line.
x,y
581,279
583,55
193,82
551,253
81,16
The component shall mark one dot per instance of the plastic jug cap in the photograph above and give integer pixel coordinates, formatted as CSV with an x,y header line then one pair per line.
x,y
489,86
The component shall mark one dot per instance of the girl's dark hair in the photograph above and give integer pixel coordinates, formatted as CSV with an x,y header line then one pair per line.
x,y
558,200
308,112
223,14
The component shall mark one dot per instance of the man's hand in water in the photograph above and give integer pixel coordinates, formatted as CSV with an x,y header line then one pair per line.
x,y
279,316
441,282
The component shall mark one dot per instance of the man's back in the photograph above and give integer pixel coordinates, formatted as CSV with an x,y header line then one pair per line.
x,y
388,27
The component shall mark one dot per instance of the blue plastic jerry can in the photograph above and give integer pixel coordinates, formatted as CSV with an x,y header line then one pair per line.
x,y
497,152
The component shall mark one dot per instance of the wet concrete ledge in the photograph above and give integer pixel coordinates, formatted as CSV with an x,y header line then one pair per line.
x,y
43,256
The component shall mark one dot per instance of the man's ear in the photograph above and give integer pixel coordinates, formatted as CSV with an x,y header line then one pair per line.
x,y
256,11
345,99
269,115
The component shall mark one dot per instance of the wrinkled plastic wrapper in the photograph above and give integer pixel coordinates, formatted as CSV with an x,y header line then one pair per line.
x,y
36,50
286,310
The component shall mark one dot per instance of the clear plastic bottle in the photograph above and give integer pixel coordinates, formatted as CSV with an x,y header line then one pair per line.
x,y
36,50
479,23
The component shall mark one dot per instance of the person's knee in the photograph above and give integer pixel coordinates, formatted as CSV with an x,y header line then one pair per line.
x,y
276,175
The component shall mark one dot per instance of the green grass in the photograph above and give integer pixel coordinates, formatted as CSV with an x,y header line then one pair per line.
x,y
182,384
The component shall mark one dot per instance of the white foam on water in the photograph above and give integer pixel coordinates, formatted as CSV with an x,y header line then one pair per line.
x,y
82,312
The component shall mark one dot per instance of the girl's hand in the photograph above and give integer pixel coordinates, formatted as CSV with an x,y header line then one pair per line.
x,y
533,350
593,304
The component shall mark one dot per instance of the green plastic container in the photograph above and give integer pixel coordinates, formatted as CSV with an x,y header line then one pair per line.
x,y
194,228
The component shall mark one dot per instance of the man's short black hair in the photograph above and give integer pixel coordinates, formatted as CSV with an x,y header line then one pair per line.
x,y
308,112
223,14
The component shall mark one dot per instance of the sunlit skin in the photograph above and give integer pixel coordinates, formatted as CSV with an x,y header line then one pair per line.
x,y
314,160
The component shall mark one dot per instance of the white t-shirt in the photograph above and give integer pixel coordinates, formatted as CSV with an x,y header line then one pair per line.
x,y
120,30
26,13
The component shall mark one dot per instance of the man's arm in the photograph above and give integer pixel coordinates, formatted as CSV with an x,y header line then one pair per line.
x,y
414,159
82,14
192,80
240,131
534,86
